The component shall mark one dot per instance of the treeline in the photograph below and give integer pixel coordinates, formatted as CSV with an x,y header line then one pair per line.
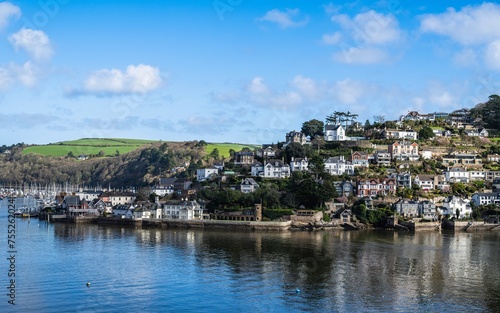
x,y
136,168
302,190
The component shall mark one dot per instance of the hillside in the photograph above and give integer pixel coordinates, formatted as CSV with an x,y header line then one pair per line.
x,y
138,163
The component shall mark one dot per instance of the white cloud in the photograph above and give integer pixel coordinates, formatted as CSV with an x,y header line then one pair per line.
x,y
355,55
370,27
348,91
7,11
27,74
136,79
305,86
35,42
332,39
471,25
492,58
285,19
257,86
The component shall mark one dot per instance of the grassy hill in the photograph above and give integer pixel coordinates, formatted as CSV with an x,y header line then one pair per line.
x,y
88,146
92,146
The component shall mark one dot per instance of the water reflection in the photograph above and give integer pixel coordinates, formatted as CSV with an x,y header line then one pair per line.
x,y
336,271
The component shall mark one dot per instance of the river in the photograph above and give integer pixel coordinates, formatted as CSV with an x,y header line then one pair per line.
x,y
183,270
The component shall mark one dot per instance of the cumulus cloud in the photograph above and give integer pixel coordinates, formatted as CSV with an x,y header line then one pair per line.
x,y
35,42
285,19
370,27
8,11
138,79
356,55
469,26
27,74
466,57
257,86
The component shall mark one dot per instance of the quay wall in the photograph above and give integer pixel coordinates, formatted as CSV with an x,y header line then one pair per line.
x,y
469,226
217,224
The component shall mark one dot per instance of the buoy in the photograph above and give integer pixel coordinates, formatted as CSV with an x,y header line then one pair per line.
x,y
297,290
88,284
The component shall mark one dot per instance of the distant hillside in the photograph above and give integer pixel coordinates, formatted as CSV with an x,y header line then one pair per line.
x,y
138,163
88,146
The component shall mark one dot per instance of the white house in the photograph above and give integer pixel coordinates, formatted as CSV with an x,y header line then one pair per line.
x,y
182,210
248,185
276,169
299,164
452,203
334,133
123,211
399,134
338,166
456,174
257,169
425,182
486,198
203,174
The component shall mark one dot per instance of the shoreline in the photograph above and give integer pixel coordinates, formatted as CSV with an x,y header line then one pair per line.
x,y
457,226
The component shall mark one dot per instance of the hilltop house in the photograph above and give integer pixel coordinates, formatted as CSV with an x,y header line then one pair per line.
x,y
335,133
267,151
243,158
295,136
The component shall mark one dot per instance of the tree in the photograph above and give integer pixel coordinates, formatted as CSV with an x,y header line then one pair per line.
x,y
101,153
117,153
70,154
367,124
489,112
425,133
215,154
313,128
379,119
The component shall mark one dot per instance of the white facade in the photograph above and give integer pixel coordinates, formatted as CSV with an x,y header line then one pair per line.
x,y
451,204
334,133
456,174
338,166
248,185
276,169
299,164
486,198
204,173
182,210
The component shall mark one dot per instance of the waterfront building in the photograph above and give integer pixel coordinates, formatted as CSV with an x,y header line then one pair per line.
x,y
118,197
182,210
427,210
485,198
452,203
407,208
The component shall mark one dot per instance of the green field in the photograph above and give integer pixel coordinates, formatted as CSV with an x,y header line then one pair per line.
x,y
225,147
497,139
88,146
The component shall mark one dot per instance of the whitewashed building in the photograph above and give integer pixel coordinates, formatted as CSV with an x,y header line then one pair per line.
x,y
299,164
338,166
276,169
456,174
203,174
334,133
452,203
182,210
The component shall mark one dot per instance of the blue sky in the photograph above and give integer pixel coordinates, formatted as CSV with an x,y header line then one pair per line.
x,y
235,70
